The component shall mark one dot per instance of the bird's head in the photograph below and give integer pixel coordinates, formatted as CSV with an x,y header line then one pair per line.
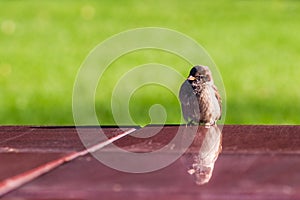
x,y
200,73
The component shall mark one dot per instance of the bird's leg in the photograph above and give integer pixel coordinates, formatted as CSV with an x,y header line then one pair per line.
x,y
189,123
214,122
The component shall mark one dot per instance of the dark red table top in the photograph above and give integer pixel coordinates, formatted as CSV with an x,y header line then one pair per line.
x,y
245,162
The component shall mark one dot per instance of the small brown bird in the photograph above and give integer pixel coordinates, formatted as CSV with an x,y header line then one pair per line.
x,y
199,97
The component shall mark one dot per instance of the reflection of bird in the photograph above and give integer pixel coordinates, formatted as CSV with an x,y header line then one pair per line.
x,y
201,156
200,99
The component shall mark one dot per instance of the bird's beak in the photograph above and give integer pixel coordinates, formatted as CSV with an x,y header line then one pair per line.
x,y
191,78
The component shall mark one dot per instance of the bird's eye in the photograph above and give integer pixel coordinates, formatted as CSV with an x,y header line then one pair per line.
x,y
201,76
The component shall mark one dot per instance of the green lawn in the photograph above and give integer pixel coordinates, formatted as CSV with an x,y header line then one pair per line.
x,y
255,45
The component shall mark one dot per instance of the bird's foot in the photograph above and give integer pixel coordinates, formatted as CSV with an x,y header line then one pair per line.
x,y
190,123
207,125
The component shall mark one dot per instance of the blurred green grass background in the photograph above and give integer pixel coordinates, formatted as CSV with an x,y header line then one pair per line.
x,y
255,45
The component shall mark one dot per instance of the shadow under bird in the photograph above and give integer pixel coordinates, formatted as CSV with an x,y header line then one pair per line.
x,y
199,97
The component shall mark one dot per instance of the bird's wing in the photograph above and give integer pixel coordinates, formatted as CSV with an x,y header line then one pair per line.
x,y
189,102
218,96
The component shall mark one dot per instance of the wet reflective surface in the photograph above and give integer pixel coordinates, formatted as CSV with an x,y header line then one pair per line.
x,y
256,162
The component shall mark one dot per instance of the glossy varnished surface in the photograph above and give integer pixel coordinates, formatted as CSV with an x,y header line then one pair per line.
x,y
261,139
28,152
247,162
234,177
51,139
